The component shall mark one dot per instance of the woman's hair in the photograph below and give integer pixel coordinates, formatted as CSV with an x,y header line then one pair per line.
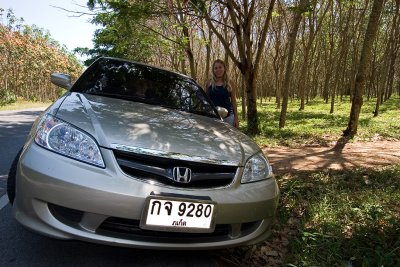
x,y
213,79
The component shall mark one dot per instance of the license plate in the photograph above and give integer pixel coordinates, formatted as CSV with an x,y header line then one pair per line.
x,y
178,215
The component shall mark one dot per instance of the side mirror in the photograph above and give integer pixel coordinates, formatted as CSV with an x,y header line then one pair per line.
x,y
61,80
223,112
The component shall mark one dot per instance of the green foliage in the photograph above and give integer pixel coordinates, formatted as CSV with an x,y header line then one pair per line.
x,y
309,8
343,220
7,97
315,125
123,33
28,56
199,5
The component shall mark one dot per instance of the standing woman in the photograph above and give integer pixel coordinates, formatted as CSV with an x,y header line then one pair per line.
x,y
222,92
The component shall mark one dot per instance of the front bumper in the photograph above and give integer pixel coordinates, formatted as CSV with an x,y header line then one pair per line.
x,y
67,199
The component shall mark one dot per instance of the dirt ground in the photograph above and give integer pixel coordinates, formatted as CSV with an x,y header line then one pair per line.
x,y
340,155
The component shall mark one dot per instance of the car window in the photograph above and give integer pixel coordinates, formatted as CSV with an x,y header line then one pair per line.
x,y
137,82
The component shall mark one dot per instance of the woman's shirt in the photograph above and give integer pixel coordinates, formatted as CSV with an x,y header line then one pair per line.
x,y
221,97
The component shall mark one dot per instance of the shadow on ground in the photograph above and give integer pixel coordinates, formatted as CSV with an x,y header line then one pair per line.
x,y
340,156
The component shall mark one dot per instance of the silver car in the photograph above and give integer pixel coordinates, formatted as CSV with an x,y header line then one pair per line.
x,y
137,156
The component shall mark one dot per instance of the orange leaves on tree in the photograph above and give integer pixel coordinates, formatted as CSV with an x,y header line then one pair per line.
x,y
28,57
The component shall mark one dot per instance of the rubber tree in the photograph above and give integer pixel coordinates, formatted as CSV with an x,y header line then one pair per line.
x,y
365,58
298,11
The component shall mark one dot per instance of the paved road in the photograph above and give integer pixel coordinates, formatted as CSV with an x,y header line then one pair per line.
x,y
20,247
14,127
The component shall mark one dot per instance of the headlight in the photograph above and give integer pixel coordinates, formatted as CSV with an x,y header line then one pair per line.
x,y
63,138
257,168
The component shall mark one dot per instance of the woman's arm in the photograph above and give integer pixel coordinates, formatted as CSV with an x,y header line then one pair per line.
x,y
206,87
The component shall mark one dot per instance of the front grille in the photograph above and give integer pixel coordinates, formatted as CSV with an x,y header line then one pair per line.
x,y
159,169
124,228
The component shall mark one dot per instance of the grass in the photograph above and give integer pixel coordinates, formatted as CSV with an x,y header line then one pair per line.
x,y
337,218
343,219
315,125
24,105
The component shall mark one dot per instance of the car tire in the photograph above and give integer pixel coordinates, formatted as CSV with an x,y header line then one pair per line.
x,y
12,178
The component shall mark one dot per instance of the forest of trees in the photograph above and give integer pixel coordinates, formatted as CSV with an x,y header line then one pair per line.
x,y
274,49
28,56
323,41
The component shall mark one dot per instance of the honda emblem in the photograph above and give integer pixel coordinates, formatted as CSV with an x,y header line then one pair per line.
x,y
182,174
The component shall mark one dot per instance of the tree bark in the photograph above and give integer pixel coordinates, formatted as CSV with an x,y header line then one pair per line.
x,y
394,40
186,41
292,43
304,73
365,57
244,110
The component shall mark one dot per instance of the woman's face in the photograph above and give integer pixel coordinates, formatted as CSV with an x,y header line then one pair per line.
x,y
219,70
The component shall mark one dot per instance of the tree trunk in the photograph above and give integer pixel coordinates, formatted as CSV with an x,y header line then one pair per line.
x,y
208,55
365,57
208,58
292,46
251,93
186,42
314,27
244,109
382,79
341,62
394,40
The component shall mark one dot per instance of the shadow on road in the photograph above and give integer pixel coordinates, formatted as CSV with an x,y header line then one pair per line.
x,y
20,247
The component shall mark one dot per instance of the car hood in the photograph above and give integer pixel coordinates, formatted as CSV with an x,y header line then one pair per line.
x,y
142,128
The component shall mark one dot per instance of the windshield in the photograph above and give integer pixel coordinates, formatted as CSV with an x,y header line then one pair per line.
x,y
136,82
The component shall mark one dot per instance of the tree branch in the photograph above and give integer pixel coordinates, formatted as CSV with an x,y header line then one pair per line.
x,y
263,36
78,13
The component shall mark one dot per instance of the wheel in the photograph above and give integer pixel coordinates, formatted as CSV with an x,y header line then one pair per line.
x,y
12,177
